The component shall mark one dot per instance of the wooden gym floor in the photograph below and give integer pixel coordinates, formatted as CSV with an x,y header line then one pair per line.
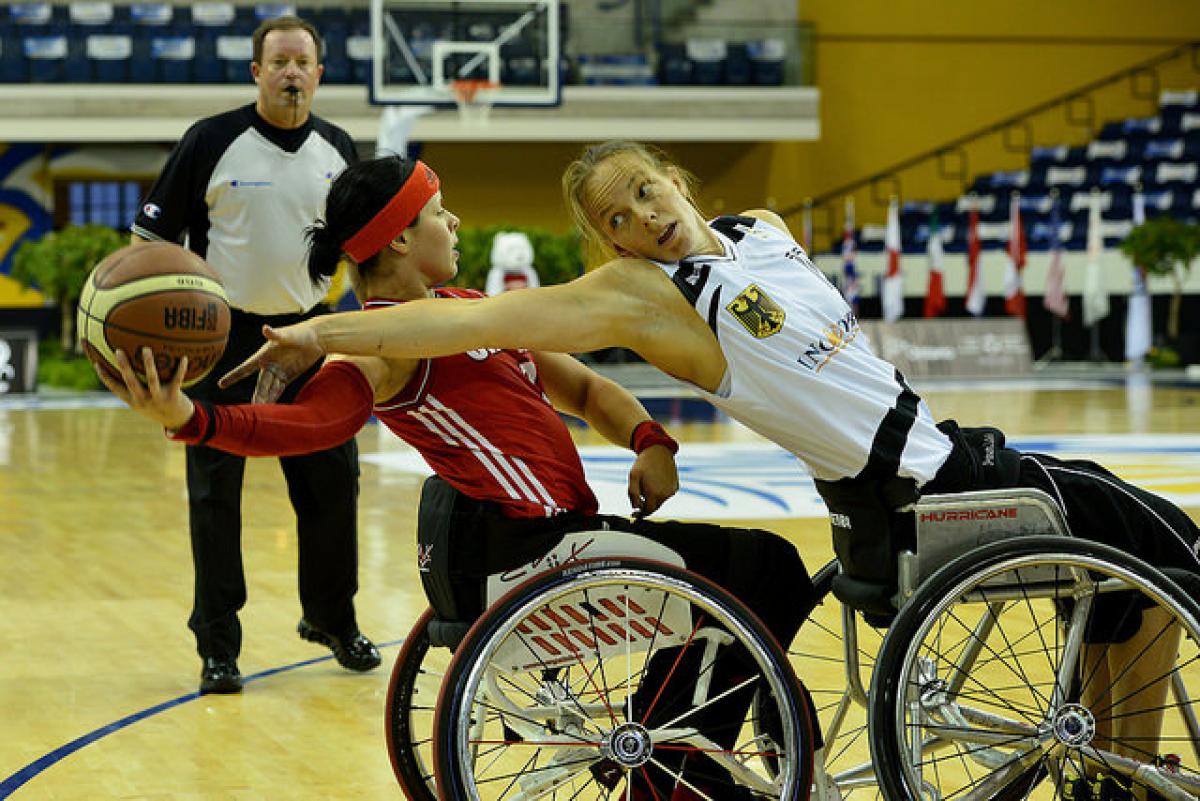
x,y
98,671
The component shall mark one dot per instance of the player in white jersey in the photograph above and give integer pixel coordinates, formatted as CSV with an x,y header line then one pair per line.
x,y
735,308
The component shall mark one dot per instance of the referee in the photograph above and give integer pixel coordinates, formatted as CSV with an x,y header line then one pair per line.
x,y
241,187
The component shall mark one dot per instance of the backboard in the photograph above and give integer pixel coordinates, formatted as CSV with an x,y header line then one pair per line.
x,y
420,47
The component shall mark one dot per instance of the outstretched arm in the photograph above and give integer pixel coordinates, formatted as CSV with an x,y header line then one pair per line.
x,y
616,415
330,409
628,303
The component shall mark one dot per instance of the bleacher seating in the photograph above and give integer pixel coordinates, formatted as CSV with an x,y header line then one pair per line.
x,y
1158,154
99,41
92,41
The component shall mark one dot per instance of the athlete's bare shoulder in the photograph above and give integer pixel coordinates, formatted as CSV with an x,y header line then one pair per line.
x,y
631,275
768,216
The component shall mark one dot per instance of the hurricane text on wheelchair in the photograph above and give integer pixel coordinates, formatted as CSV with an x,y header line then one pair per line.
x,y
1009,513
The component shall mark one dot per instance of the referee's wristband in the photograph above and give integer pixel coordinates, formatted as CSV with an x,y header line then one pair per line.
x,y
648,433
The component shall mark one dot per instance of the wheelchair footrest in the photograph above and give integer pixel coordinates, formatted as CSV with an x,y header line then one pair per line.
x,y
447,633
872,599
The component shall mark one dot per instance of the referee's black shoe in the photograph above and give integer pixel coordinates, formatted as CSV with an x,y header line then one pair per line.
x,y
220,675
353,651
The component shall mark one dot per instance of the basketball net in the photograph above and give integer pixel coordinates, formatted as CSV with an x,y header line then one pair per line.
x,y
474,99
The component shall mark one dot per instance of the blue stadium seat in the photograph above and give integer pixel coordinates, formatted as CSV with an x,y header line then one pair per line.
x,y
85,19
708,61
209,21
13,67
264,11
334,25
41,40
1056,154
767,61
1123,174
1107,151
148,21
738,68
1172,175
234,52
358,53
674,67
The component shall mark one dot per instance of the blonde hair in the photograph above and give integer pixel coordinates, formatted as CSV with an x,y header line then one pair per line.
x,y
576,178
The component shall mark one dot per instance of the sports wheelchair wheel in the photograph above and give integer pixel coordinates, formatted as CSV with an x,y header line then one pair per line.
x,y
621,678
834,655
1000,679
412,692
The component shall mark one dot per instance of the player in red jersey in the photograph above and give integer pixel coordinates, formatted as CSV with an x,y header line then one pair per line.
x,y
484,420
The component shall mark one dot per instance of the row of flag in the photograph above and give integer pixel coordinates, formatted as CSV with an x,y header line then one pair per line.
x,y
1054,299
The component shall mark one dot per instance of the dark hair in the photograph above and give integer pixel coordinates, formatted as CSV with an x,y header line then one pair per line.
x,y
357,195
287,22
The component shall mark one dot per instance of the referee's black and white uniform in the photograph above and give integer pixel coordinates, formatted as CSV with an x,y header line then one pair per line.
x,y
242,192
802,374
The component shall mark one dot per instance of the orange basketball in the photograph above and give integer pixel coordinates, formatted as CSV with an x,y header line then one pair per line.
x,y
157,295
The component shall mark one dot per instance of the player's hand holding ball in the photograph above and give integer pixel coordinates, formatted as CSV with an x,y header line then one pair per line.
x,y
163,403
153,313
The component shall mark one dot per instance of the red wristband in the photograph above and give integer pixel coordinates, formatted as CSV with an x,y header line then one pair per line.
x,y
648,433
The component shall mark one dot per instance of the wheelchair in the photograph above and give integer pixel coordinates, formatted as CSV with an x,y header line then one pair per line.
x,y
569,682
992,681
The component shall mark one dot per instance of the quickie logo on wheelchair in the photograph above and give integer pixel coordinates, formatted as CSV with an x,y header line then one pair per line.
x,y
548,561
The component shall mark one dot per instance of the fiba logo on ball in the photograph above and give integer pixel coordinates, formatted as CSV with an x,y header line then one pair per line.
x,y
156,295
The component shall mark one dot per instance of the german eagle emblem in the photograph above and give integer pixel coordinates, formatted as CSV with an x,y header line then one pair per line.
x,y
754,309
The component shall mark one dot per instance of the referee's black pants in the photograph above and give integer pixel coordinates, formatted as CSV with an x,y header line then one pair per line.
x,y
322,486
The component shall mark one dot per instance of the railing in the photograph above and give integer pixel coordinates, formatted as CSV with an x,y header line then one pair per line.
x,y
1016,133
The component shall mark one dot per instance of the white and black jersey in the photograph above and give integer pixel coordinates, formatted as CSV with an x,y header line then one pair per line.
x,y
800,369
242,192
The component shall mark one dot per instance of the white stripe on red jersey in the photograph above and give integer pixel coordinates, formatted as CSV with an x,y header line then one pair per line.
x,y
482,421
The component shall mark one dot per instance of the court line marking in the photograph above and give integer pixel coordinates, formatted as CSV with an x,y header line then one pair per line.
x,y
38,766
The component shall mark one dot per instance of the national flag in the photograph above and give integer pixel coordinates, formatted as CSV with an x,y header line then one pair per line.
x,y
850,288
1095,293
976,296
1138,327
892,291
935,294
1014,290
1055,298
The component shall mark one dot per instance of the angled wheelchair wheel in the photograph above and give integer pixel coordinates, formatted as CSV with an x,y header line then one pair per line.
x,y
408,724
834,655
621,678
1041,668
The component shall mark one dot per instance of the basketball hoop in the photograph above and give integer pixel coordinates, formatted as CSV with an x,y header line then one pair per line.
x,y
474,99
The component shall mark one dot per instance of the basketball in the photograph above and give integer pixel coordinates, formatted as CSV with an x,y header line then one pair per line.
x,y
157,295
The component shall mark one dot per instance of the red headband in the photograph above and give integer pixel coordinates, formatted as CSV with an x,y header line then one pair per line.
x,y
397,215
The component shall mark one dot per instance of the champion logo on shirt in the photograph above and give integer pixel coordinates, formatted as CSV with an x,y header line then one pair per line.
x,y
238,184
755,310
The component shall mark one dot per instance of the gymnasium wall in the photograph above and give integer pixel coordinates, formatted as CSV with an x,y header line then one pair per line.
x,y
896,79
899,78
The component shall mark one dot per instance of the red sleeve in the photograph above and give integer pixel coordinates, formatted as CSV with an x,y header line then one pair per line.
x,y
331,408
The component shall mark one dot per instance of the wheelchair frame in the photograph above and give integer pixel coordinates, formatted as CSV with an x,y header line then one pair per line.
x,y
954,533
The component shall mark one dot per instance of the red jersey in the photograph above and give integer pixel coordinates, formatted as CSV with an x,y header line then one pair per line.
x,y
482,421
